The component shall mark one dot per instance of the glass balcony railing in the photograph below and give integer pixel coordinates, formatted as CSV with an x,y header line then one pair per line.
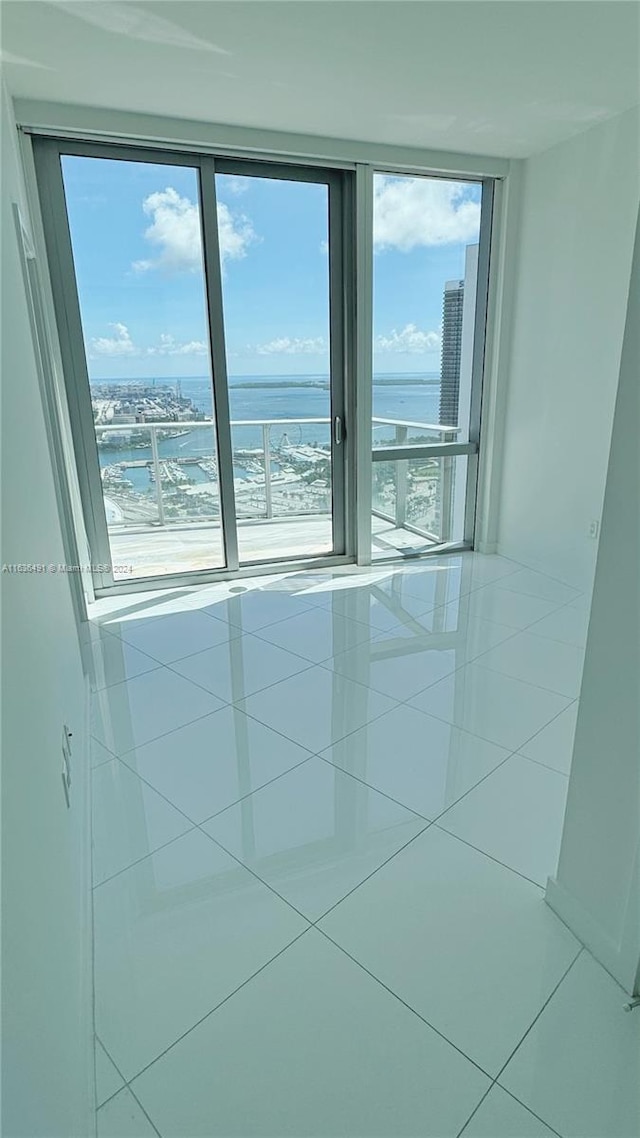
x,y
165,474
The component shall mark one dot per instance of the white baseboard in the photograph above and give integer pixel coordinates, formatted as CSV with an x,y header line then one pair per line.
x,y
88,1026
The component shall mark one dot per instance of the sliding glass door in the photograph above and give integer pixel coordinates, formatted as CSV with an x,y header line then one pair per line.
x,y
199,304
431,243
285,396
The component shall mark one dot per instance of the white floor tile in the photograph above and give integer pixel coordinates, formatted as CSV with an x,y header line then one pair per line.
x,y
108,1079
250,609
568,625
467,943
130,714
437,582
539,585
217,699
500,1116
470,635
402,662
114,660
578,1067
311,1047
314,834
516,816
446,578
547,663
239,668
175,935
499,708
172,637
493,602
317,586
316,707
121,1117
485,569
396,666
208,765
129,820
582,604
553,746
317,634
383,606
420,761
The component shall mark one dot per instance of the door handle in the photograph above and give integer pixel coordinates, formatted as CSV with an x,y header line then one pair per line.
x,y
337,430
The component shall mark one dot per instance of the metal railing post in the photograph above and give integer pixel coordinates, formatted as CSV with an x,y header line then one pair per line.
x,y
446,475
156,470
402,475
266,449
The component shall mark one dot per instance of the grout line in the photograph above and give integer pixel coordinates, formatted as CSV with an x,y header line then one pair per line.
x,y
372,874
137,746
403,1002
545,766
247,695
398,802
537,1017
340,738
476,1109
491,857
539,687
485,738
211,1011
125,1086
547,724
474,787
256,790
347,620
533,1112
199,826
151,853
155,665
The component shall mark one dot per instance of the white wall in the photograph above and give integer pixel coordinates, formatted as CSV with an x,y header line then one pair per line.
x,y
46,935
597,886
574,244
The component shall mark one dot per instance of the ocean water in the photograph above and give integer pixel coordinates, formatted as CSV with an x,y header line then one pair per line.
x,y
411,397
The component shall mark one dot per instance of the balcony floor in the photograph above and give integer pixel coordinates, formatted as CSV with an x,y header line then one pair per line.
x,y
184,549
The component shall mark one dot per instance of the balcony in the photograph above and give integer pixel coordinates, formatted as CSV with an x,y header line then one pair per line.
x,y
162,500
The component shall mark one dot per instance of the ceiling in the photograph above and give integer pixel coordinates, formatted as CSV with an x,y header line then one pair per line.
x,y
496,77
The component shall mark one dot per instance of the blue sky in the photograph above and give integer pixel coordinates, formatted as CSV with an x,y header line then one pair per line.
x,y
136,240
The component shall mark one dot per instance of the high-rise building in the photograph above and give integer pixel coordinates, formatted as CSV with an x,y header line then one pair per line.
x,y
458,306
452,307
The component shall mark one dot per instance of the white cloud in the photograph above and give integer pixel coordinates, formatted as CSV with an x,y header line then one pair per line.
x,y
175,232
292,346
409,339
412,212
235,234
120,344
168,346
235,183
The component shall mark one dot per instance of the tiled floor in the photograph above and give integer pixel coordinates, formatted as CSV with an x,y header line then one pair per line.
x,y
325,809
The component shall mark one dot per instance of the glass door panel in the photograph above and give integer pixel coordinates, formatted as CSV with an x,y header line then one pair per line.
x,y
274,239
426,237
136,240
